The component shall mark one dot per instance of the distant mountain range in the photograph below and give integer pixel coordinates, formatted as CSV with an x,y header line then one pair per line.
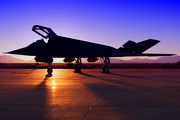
x,y
168,59
10,59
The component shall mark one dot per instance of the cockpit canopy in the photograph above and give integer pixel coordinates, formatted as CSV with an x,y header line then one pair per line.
x,y
45,32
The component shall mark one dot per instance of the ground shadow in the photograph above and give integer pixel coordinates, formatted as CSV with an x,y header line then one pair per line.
x,y
47,76
29,103
122,94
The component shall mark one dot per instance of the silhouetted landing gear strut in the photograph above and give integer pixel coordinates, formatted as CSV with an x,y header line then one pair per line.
x,y
49,70
107,65
36,66
78,66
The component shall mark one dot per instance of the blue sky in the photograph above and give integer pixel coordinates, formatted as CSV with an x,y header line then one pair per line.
x,y
109,22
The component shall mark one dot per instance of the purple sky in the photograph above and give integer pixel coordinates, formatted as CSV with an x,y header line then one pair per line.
x,y
109,22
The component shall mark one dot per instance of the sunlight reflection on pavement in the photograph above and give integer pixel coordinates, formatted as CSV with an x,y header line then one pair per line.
x,y
123,94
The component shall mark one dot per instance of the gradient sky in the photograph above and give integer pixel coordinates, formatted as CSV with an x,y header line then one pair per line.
x,y
109,22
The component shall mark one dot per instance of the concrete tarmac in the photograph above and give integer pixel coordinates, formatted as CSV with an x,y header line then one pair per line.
x,y
125,94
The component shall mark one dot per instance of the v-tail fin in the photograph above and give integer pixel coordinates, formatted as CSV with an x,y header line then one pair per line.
x,y
140,47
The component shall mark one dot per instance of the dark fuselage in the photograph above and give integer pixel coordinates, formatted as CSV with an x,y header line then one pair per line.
x,y
65,47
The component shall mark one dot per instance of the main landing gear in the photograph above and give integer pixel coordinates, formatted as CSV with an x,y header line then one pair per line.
x,y
107,65
78,66
49,70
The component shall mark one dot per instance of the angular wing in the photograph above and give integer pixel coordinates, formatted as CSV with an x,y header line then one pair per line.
x,y
127,54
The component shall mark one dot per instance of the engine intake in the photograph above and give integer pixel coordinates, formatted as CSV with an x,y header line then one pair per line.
x,y
69,59
43,59
92,59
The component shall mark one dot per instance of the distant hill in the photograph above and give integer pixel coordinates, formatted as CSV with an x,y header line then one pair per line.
x,y
168,59
10,59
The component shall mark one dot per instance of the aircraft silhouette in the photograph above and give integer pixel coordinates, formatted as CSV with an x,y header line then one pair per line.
x,y
73,49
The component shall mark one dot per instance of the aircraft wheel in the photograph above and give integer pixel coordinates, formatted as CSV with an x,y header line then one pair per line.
x,y
106,69
78,69
49,70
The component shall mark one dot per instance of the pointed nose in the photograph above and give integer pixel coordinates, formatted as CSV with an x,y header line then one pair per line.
x,y
38,47
22,51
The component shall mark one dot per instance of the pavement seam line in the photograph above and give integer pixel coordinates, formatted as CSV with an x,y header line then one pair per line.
x,y
92,106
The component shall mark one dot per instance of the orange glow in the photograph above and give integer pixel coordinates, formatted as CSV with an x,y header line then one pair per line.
x,y
53,89
53,82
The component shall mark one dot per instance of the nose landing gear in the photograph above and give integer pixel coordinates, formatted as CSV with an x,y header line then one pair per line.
x,y
49,70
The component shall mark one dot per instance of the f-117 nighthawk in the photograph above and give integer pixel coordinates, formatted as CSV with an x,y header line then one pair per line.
x,y
73,49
